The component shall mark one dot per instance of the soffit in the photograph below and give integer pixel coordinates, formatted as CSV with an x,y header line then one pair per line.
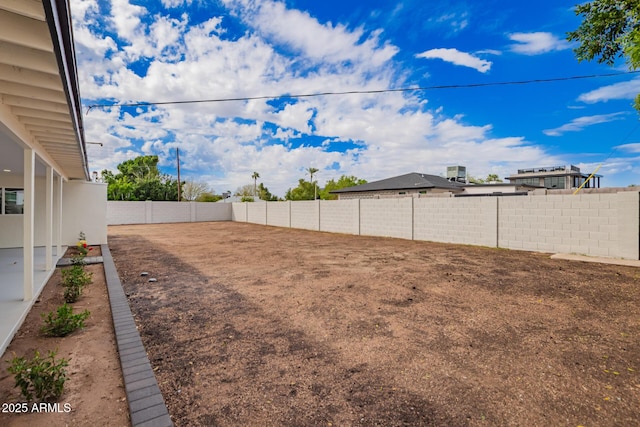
x,y
33,100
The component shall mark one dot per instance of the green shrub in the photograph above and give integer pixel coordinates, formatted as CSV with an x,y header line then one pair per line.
x,y
74,280
63,321
39,378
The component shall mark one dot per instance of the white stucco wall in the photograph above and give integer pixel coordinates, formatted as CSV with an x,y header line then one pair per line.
x,y
84,208
11,225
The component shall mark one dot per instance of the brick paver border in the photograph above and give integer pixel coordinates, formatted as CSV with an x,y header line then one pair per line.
x,y
146,404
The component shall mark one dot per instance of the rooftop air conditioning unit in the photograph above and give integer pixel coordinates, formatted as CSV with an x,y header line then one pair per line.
x,y
457,173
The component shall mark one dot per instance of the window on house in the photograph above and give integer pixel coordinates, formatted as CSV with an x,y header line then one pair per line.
x,y
12,201
554,182
529,181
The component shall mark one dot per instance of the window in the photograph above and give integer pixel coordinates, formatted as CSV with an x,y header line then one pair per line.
x,y
554,182
12,201
529,181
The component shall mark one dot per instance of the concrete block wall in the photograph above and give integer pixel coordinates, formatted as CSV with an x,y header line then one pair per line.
x,y
149,212
596,224
306,215
279,214
387,217
168,212
585,224
340,216
126,213
257,213
211,211
239,212
469,220
627,207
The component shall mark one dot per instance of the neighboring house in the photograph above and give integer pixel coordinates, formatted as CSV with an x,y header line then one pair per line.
x,y
555,177
412,184
46,196
498,189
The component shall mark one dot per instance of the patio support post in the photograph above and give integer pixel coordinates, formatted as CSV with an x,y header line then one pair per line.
x,y
48,220
57,214
28,222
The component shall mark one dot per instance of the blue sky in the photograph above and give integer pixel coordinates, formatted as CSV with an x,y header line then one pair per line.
x,y
178,50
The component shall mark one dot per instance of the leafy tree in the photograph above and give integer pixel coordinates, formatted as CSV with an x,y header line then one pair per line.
x,y
610,30
265,194
304,191
140,179
343,182
492,177
208,197
191,190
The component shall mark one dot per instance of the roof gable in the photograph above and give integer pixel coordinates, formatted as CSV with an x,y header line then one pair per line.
x,y
410,181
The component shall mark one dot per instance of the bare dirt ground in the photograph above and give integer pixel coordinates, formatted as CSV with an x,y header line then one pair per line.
x,y
259,326
94,391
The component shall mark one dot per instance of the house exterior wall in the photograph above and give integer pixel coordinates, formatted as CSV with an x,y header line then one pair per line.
x,y
84,208
11,226
386,194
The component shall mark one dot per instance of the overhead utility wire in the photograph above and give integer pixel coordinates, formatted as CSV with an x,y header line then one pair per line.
x,y
354,92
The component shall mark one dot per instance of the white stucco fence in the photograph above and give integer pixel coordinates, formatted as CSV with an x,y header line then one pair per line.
x,y
606,224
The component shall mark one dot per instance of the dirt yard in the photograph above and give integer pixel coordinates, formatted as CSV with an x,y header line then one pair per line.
x,y
259,326
94,391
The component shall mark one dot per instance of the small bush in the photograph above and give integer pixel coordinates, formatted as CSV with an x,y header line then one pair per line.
x,y
39,378
63,321
74,280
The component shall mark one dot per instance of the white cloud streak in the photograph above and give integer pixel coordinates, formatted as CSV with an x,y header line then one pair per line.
x,y
457,57
580,123
536,43
622,90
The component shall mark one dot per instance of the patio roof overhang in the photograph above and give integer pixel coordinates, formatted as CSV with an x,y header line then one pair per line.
x,y
39,97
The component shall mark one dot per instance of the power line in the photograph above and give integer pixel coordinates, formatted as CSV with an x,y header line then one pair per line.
x,y
357,92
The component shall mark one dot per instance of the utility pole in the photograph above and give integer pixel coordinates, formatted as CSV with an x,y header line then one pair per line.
x,y
178,160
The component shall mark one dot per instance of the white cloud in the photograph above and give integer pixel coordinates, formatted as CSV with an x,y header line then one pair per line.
x,y
578,124
225,142
454,21
630,148
622,90
304,34
458,58
536,43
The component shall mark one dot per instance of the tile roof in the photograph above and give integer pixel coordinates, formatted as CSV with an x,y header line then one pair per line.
x,y
410,181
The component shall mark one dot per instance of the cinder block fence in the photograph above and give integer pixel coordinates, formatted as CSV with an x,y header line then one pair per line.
x,y
606,224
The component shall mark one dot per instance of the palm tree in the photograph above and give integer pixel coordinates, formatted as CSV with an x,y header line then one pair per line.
x,y
312,171
255,177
